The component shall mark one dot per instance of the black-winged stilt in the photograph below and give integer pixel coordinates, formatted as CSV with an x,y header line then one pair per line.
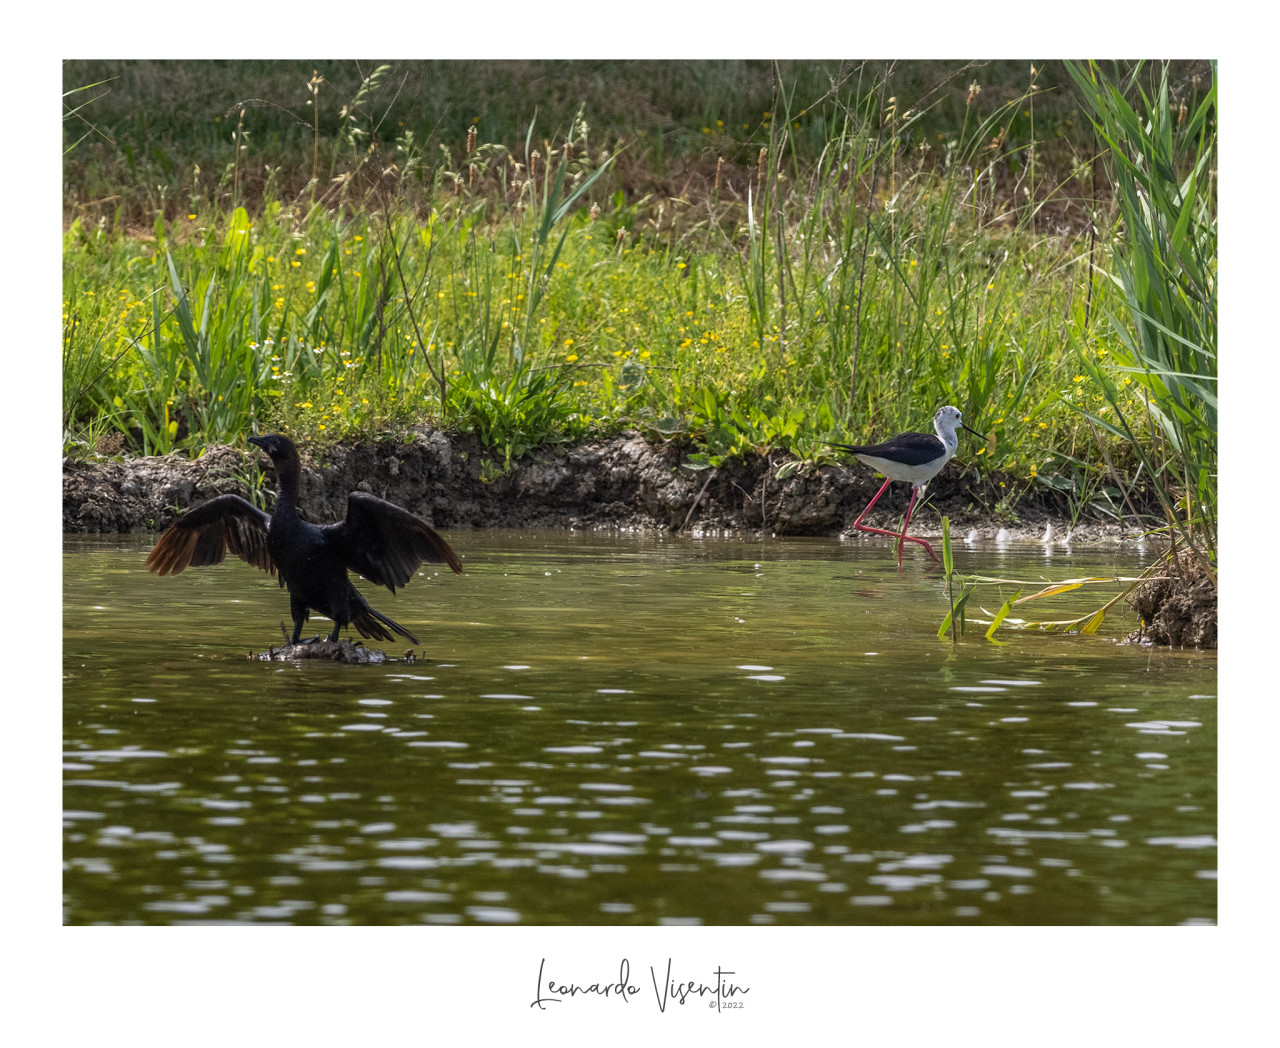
x,y
916,457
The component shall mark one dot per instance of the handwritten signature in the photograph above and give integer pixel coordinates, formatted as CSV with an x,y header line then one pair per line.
x,y
721,993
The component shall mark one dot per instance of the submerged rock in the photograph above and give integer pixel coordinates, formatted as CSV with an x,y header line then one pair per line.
x,y
329,651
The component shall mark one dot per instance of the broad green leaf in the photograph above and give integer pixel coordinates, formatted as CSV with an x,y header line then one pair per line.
x,y
1000,615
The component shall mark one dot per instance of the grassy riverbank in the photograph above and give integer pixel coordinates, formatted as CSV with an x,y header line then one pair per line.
x,y
749,257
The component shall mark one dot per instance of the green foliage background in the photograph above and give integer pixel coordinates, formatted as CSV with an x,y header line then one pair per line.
x,y
745,255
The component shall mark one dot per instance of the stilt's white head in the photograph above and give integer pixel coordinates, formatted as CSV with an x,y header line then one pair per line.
x,y
945,423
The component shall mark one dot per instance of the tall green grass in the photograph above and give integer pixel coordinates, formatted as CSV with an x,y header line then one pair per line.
x,y
1162,160
855,276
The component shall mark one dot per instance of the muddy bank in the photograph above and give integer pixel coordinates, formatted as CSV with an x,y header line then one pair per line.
x,y
622,482
625,481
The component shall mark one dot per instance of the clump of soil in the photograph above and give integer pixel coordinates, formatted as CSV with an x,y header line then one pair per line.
x,y
1177,609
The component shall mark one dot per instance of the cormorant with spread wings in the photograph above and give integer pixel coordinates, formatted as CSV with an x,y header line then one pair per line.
x,y
379,540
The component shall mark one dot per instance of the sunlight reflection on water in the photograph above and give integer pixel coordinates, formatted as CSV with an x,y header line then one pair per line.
x,y
632,729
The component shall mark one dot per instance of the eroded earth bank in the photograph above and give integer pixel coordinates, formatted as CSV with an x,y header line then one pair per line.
x,y
622,482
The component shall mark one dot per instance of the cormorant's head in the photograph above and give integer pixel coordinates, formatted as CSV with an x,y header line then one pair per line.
x,y
277,445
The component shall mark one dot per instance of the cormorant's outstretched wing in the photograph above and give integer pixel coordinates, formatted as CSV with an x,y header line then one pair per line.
x,y
203,535
385,543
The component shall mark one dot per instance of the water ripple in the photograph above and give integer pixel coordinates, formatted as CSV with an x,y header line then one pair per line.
x,y
256,798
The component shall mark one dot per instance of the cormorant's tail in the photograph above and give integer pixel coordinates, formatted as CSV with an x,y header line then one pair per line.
x,y
370,623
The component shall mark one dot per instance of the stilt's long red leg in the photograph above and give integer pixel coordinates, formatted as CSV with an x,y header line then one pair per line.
x,y
905,537
906,520
859,526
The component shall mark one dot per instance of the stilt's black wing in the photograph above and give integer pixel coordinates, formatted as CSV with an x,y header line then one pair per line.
x,y
203,535
386,544
910,449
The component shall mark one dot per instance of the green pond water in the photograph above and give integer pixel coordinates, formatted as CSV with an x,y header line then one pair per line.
x,y
632,729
